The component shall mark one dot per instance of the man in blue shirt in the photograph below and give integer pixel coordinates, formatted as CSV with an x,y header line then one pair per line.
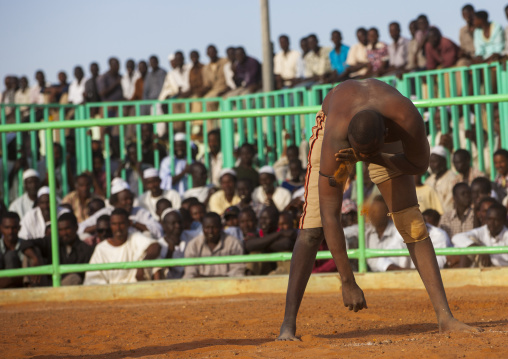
x,y
338,57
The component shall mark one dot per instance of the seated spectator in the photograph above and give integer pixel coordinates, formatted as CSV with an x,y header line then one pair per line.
x,y
285,65
493,233
245,169
462,163
33,224
122,197
281,166
461,217
31,183
176,84
129,79
481,211
466,32
137,95
95,205
123,246
174,242
380,233
154,192
247,222
316,61
102,231
397,51
244,190
226,196
133,169
213,243
80,197
268,193
178,179
196,81
77,87
229,67
91,93
416,59
488,38
442,179
349,213
214,77
377,54
231,222
71,249
501,165
200,189
11,256
432,217
357,55
22,96
197,212
161,206
427,196
440,52
215,161
296,178
247,74
338,57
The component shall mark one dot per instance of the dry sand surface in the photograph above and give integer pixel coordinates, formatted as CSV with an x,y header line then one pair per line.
x,y
398,324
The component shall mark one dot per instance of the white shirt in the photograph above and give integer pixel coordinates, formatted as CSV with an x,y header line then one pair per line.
x,y
201,193
286,65
22,205
129,84
149,203
482,236
76,91
175,272
138,214
281,197
33,224
35,94
132,250
229,74
391,239
167,178
317,64
439,239
175,80
357,55
399,57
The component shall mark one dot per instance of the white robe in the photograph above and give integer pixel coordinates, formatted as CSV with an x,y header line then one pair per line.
x,y
150,203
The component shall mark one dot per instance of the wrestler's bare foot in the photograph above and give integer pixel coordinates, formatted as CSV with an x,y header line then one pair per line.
x,y
287,333
453,325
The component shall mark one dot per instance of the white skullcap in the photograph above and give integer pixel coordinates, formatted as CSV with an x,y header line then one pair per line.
x,y
150,173
439,150
227,171
166,211
120,186
42,191
30,173
116,180
179,136
171,57
267,169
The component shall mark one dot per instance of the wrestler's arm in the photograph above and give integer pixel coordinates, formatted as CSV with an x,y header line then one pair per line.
x,y
330,200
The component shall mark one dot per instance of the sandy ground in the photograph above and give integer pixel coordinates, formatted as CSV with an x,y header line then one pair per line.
x,y
398,324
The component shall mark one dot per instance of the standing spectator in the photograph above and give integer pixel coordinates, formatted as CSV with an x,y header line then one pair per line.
x,y
138,85
110,86
245,169
285,65
154,192
128,81
440,52
11,256
398,50
123,246
77,87
442,179
92,89
416,59
357,55
8,95
22,96
462,163
37,91
466,40
461,217
58,93
338,57
178,179
488,38
80,197
247,74
268,193
31,183
214,78
176,84
229,68
214,243
377,53
152,85
226,196
317,61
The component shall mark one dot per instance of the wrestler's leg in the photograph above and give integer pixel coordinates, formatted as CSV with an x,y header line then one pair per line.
x,y
302,262
422,253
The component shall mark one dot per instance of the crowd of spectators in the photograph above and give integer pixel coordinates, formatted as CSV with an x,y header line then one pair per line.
x,y
203,209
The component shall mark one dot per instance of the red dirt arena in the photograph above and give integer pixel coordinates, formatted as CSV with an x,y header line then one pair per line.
x,y
398,324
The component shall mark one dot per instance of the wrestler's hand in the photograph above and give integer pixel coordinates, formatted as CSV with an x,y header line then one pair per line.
x,y
346,155
353,297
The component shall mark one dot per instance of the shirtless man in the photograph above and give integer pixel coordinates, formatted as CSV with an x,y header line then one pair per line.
x,y
372,122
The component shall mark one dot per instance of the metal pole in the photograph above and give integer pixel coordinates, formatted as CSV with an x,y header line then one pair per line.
x,y
267,47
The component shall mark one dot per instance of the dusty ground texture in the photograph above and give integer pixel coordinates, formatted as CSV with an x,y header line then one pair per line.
x,y
398,324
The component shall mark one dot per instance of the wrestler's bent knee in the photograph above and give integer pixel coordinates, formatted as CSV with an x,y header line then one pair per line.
x,y
311,236
410,224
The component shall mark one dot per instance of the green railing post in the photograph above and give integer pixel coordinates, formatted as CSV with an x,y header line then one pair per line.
x,y
478,121
455,114
362,262
278,128
260,132
19,151
155,139
250,123
139,153
121,142
269,128
490,122
240,124
465,108
107,158
50,162
188,133
5,173
33,139
65,180
227,138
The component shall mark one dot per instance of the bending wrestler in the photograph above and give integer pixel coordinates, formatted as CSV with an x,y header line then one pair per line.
x,y
372,122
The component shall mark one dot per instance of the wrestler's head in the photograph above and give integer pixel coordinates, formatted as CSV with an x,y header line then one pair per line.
x,y
366,133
